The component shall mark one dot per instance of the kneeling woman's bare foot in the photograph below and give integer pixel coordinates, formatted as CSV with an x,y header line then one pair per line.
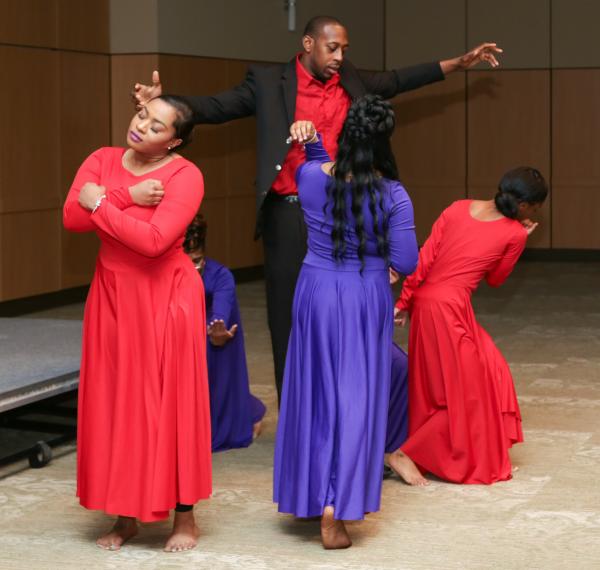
x,y
124,529
404,466
256,429
185,533
333,532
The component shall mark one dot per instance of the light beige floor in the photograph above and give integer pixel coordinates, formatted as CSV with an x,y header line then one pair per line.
x,y
546,320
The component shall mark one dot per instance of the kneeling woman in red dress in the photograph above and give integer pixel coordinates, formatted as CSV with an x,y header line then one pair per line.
x,y
463,409
144,422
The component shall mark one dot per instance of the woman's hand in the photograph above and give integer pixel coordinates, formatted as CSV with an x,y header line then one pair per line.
x,y
400,317
303,132
149,192
394,276
89,195
529,225
218,333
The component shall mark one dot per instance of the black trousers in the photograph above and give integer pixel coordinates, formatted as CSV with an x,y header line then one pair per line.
x,y
284,243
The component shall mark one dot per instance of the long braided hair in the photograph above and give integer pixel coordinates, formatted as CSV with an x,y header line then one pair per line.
x,y
364,155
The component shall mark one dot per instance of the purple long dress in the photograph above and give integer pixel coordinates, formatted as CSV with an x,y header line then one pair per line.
x,y
332,424
233,409
397,428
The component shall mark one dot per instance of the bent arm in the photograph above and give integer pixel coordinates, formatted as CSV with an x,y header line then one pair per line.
x,y
223,298
226,106
498,275
427,257
316,151
404,251
76,218
183,195
388,84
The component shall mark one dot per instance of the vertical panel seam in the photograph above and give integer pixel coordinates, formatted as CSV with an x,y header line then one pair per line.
x,y
551,120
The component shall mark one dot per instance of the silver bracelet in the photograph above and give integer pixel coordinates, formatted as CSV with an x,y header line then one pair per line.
x,y
98,202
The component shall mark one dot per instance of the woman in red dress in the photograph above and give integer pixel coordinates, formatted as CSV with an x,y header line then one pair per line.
x,y
463,409
144,424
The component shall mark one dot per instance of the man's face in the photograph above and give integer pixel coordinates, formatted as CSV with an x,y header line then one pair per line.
x,y
325,53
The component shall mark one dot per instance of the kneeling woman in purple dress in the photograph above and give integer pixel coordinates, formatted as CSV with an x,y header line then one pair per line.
x,y
236,415
332,423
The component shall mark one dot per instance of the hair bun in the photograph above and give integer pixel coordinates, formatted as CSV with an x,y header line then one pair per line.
x,y
370,116
507,204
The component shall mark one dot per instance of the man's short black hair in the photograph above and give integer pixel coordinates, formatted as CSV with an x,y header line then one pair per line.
x,y
315,25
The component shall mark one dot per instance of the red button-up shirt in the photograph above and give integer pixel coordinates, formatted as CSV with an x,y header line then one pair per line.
x,y
326,105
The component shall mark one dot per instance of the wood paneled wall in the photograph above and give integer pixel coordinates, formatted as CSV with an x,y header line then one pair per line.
x,y
67,93
540,108
56,111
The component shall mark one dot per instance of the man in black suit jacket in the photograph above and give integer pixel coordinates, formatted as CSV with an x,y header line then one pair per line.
x,y
270,94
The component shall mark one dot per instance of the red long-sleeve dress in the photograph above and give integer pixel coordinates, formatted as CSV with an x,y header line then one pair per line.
x,y
463,409
144,420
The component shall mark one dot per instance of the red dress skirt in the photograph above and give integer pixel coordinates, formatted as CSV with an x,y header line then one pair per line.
x,y
463,410
144,420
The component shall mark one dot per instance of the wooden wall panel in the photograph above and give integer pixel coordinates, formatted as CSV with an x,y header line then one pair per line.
x,y
215,212
576,127
243,250
125,72
30,253
508,126
84,26
576,217
78,255
522,29
429,145
429,140
199,76
85,121
85,127
29,154
575,33
427,30
29,22
575,164
241,157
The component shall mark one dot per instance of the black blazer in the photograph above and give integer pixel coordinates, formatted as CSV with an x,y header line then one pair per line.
x,y
269,93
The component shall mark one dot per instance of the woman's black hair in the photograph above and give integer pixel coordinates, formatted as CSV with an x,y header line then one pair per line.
x,y
522,184
364,155
184,121
195,235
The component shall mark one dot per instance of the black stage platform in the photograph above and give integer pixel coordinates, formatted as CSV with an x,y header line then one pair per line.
x,y
39,375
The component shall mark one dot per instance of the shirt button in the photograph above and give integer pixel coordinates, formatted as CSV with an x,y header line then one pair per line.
x,y
278,167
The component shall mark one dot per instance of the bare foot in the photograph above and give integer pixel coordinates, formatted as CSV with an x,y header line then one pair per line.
x,y
124,529
256,429
404,466
333,532
185,533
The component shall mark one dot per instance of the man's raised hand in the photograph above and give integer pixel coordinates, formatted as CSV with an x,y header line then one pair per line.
x,y
141,94
484,52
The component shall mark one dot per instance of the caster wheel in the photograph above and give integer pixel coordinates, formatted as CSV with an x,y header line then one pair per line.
x,y
40,455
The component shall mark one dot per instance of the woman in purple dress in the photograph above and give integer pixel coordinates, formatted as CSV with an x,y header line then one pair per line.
x,y
236,414
332,423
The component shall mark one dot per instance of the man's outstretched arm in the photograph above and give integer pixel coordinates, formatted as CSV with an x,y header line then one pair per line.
x,y
232,104
390,83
